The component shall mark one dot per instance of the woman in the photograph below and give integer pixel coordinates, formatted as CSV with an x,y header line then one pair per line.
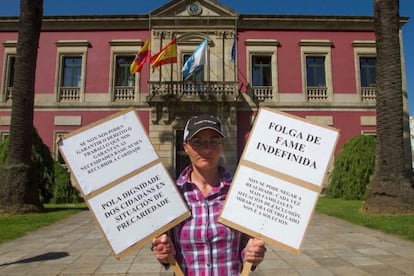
x,y
200,244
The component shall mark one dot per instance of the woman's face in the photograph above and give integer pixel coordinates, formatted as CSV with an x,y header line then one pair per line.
x,y
204,149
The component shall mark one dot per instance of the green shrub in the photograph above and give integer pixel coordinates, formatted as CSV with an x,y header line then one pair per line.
x,y
42,163
54,180
63,191
3,150
353,168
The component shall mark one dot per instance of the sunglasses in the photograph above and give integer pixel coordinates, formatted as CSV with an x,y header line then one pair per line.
x,y
199,143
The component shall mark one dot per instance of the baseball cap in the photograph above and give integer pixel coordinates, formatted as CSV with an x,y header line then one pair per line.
x,y
200,122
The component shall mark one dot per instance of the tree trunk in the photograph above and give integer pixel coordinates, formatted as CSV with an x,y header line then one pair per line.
x,y
391,190
19,189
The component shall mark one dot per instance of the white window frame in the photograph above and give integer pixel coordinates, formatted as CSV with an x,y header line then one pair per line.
x,y
362,48
9,51
320,48
4,135
263,47
56,138
124,48
67,48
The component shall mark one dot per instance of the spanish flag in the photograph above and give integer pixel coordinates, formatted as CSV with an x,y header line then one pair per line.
x,y
141,58
168,54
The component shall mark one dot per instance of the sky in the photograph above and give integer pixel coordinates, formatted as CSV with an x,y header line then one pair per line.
x,y
281,7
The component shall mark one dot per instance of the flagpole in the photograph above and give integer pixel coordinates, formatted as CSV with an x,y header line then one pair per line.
x,y
172,37
161,41
223,61
208,52
150,54
235,57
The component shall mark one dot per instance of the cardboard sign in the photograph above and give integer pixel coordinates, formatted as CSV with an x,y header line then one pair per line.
x,y
102,153
279,178
123,181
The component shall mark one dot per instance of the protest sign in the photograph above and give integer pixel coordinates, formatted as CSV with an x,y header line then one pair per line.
x,y
279,178
123,181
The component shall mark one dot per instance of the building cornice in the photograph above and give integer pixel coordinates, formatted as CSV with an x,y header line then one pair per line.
x,y
246,21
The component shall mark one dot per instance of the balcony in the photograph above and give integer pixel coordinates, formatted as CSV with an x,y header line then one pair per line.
x,y
69,94
317,94
369,94
123,93
261,93
187,91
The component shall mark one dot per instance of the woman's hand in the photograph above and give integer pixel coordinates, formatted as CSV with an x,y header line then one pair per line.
x,y
162,247
255,251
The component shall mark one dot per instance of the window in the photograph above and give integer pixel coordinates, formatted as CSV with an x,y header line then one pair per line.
x,y
58,136
367,71
315,71
11,60
123,86
4,136
8,69
71,71
123,77
261,70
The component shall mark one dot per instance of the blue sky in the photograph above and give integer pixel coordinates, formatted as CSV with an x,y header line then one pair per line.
x,y
315,7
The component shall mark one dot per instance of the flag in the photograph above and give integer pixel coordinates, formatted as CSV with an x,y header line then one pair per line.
x,y
140,58
197,59
168,54
233,51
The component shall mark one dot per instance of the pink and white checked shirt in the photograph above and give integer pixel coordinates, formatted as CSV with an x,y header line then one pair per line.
x,y
204,246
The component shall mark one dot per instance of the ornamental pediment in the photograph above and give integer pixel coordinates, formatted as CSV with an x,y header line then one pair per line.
x,y
193,8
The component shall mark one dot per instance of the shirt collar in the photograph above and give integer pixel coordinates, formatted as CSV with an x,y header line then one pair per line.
x,y
225,176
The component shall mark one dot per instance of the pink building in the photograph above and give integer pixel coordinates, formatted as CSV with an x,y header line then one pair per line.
x,y
321,68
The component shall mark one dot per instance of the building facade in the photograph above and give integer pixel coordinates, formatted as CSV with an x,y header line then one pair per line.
x,y
321,68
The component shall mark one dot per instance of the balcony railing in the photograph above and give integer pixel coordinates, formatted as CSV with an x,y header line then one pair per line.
x,y
369,94
123,93
69,94
261,93
317,94
185,90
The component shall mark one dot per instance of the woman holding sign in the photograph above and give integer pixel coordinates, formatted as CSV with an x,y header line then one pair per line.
x,y
200,244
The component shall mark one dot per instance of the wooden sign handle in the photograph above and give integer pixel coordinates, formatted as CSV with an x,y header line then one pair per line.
x,y
246,269
176,267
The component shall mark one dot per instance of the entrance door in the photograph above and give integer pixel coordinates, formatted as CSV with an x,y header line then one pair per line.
x,y
181,158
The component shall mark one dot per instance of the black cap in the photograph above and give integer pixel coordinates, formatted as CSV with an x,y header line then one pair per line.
x,y
197,123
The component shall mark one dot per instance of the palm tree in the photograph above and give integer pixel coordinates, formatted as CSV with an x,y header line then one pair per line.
x,y
19,190
391,189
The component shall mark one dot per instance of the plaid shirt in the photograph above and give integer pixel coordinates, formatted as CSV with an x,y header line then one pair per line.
x,y
204,246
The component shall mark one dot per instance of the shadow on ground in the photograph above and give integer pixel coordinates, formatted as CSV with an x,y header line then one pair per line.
x,y
43,257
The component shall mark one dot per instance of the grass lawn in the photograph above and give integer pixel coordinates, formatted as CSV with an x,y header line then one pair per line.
x,y
15,226
349,210
12,227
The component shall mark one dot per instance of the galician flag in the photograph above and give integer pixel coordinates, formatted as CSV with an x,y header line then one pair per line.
x,y
197,59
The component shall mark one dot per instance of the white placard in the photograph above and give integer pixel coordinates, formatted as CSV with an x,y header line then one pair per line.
x,y
275,208
279,178
124,183
291,146
108,151
137,207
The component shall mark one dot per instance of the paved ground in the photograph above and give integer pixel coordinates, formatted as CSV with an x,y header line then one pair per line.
x,y
331,247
